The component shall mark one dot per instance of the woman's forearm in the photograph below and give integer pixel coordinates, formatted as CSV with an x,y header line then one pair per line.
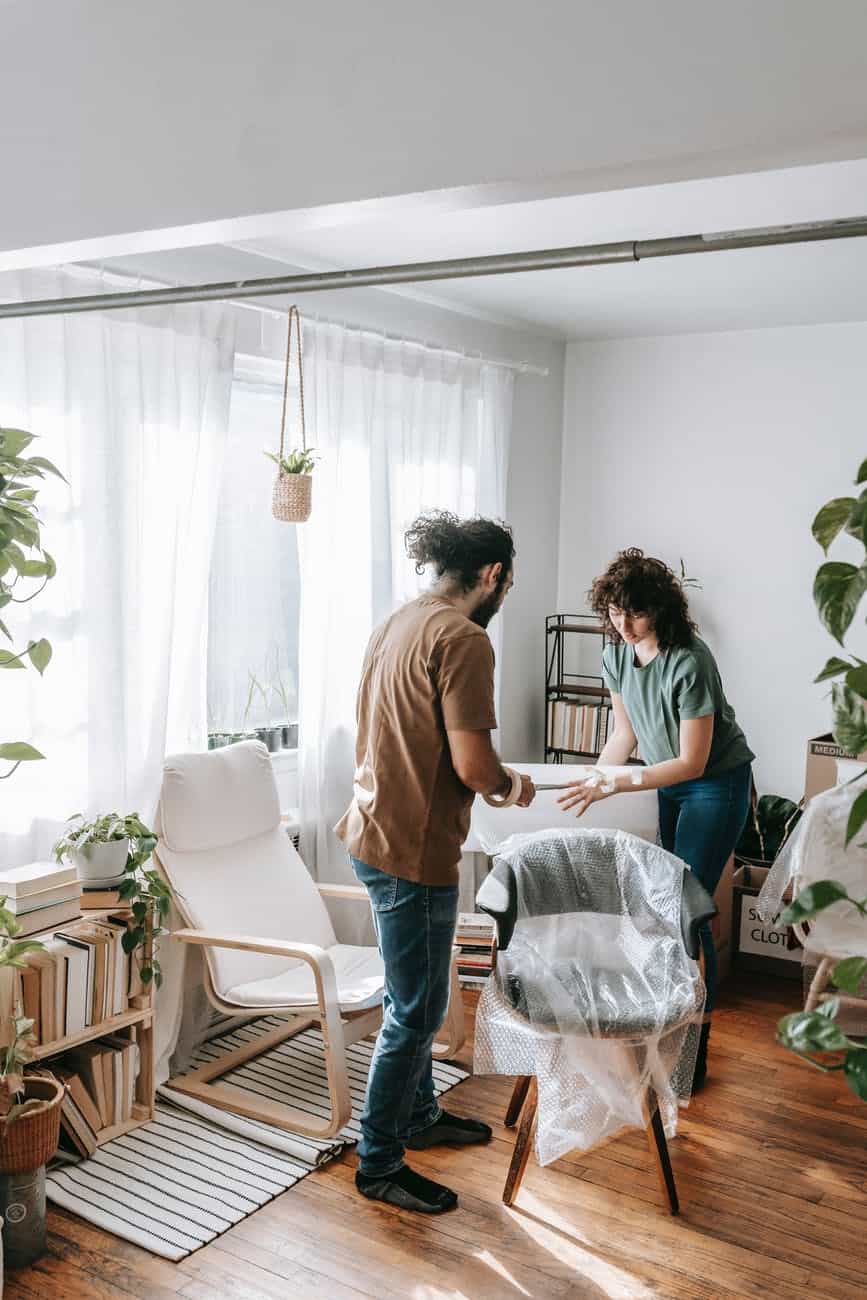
x,y
617,749
672,772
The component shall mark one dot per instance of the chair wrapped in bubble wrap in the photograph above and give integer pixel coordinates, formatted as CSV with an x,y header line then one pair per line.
x,y
597,997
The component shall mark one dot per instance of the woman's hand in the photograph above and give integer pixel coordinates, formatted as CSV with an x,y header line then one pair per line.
x,y
581,794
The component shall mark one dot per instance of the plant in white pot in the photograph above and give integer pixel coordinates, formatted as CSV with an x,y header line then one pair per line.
x,y
29,1111
141,889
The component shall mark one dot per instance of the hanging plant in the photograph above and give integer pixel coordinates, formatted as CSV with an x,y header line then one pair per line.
x,y
293,488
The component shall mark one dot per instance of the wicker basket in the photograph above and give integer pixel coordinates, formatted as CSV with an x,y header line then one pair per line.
x,y
292,497
31,1139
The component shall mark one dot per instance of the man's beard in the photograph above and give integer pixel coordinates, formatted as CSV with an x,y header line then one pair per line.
x,y
490,606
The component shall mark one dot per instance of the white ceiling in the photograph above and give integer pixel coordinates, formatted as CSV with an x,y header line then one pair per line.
x,y
748,289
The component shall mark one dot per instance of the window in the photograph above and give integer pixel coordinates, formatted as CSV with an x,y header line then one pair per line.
x,y
254,583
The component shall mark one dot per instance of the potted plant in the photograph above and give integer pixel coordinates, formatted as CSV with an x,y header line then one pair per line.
x,y
29,1111
23,559
771,821
141,889
282,690
293,487
98,849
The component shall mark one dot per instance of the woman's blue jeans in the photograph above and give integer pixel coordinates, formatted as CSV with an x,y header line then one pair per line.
x,y
701,822
415,930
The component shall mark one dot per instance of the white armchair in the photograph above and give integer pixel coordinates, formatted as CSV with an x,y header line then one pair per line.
x,y
249,902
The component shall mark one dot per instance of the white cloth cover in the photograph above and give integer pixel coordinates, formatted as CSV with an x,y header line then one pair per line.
x,y
635,811
595,995
817,850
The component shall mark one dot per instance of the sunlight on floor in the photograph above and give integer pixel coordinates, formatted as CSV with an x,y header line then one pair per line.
x,y
485,1257
560,1239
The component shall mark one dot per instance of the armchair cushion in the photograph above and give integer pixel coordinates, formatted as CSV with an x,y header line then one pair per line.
x,y
358,971
213,799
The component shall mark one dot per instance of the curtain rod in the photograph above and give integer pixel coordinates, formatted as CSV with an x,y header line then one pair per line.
x,y
633,250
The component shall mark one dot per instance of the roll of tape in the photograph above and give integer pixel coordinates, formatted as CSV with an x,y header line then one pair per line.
x,y
509,800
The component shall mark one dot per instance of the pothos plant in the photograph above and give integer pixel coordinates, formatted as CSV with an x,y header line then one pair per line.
x,y
837,591
17,1051
143,890
23,562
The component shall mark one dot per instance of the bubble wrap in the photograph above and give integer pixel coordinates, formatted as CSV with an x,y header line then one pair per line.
x,y
817,850
595,995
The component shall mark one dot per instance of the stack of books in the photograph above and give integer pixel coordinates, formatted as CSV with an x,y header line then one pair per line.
x,y
581,728
100,1079
81,978
475,942
41,896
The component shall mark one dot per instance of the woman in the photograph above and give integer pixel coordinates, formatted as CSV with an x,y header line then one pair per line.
x,y
668,698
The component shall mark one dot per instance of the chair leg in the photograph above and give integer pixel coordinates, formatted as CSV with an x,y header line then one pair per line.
x,y
659,1150
519,1094
819,984
523,1145
453,1025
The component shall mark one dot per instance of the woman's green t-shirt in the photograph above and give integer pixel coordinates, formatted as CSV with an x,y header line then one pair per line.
x,y
678,685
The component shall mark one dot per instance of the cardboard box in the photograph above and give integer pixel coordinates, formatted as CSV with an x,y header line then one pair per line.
x,y
758,947
721,925
823,753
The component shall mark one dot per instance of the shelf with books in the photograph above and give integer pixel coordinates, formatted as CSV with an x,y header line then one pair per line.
x,y
578,712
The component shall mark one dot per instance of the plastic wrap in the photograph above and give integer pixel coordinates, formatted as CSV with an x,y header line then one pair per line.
x,y
817,850
595,994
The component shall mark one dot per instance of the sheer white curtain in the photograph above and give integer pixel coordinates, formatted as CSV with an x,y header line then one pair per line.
x,y
399,429
133,408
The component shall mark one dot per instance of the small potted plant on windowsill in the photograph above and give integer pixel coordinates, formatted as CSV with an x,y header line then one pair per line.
x,y
141,889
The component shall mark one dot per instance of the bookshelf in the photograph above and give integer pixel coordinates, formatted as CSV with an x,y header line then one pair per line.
x,y
563,685
137,1023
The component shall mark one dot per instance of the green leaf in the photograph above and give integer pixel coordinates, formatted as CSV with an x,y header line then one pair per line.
x,y
813,899
34,569
831,520
9,660
17,751
14,441
837,591
40,655
39,462
829,1008
855,1070
862,473
857,816
4,629
130,940
849,973
810,1031
835,667
856,680
850,720
147,974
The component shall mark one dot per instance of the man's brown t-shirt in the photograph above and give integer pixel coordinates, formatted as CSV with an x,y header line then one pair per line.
x,y
427,670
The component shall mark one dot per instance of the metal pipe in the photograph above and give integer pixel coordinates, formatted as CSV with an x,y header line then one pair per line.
x,y
453,269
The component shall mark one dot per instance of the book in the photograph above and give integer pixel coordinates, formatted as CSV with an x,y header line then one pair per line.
x,y
75,1125
42,898
99,898
87,1060
30,1001
18,882
82,1097
47,918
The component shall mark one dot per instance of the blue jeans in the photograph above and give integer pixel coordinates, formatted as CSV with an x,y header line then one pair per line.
x,y
701,822
415,929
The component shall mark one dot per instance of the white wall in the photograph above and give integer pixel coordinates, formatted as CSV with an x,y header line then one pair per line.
x,y
133,117
720,448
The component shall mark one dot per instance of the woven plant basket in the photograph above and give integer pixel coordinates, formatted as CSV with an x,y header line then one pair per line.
x,y
31,1139
292,499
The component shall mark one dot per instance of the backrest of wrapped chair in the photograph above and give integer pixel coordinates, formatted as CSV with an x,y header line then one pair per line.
x,y
553,873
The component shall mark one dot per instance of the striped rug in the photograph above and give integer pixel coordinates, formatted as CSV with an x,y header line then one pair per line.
x,y
181,1180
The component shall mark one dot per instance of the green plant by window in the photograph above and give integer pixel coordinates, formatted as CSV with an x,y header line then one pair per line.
x,y
299,461
23,560
143,891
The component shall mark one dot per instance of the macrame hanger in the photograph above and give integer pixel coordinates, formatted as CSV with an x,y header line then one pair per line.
x,y
294,316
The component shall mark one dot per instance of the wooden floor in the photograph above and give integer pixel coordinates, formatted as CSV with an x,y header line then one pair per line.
x,y
771,1165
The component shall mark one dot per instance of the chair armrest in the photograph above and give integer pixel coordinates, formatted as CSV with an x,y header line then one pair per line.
x,y
357,893
315,957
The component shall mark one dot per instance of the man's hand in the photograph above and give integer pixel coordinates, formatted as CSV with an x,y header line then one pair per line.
x,y
581,794
528,792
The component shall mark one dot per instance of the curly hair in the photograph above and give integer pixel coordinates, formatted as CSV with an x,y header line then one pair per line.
x,y
638,584
459,548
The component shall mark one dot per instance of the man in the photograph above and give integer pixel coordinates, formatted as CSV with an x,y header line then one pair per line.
x,y
425,716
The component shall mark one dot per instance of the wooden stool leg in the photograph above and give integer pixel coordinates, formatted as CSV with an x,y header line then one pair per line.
x,y
523,1145
659,1150
819,984
519,1094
